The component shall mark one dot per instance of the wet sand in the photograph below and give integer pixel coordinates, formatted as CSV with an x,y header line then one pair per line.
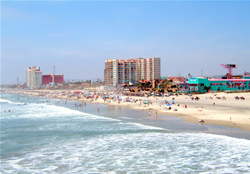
x,y
167,122
230,112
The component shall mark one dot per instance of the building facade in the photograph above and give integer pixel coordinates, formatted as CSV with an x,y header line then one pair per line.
x,y
33,77
200,84
50,78
131,70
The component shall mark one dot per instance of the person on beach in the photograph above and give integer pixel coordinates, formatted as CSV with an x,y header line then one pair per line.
x,y
201,121
149,113
156,114
98,109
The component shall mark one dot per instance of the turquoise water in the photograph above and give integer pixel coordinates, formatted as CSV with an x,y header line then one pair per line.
x,y
53,137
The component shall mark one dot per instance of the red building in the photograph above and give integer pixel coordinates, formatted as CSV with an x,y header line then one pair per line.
x,y
49,78
46,79
58,79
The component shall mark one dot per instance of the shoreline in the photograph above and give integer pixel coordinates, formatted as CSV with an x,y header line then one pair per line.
x,y
194,113
230,113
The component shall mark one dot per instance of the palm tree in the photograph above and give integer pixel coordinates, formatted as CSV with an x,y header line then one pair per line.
x,y
207,88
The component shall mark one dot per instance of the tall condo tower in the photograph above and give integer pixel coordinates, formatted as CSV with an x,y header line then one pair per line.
x,y
131,70
33,77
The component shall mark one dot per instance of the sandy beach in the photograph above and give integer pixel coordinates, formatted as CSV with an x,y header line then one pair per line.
x,y
214,108
230,112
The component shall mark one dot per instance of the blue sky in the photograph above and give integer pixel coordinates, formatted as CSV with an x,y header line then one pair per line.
x,y
77,37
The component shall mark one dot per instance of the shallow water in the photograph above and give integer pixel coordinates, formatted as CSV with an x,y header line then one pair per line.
x,y
53,137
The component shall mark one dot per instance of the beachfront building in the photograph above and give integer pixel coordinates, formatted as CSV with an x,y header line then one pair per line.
x,y
33,77
131,70
200,84
174,78
50,78
149,69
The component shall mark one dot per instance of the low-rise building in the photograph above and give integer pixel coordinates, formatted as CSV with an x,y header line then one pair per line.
x,y
50,78
201,84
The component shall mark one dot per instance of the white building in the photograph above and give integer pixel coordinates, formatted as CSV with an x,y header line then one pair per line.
x,y
33,77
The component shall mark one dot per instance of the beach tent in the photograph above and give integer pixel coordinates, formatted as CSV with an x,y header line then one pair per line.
x,y
123,99
169,104
145,102
173,102
88,93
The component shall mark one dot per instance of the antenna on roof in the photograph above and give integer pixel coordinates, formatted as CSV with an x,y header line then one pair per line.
x,y
54,69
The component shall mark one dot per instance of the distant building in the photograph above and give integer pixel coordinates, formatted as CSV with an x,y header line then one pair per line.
x,y
176,79
58,79
50,78
122,71
201,84
46,79
149,69
33,77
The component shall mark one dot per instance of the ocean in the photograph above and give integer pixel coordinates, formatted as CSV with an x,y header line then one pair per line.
x,y
41,135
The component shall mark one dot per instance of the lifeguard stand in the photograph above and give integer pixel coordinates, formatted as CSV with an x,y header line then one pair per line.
x,y
229,67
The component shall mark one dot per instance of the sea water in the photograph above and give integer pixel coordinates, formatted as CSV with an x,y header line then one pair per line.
x,y
48,136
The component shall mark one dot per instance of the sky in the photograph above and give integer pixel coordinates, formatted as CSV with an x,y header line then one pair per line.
x,y
78,36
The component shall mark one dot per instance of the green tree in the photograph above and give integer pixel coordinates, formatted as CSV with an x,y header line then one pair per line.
x,y
207,88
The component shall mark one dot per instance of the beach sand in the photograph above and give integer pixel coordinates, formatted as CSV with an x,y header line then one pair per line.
x,y
230,112
227,112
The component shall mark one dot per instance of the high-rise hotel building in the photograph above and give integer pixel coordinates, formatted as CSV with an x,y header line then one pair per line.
x,y
131,70
33,77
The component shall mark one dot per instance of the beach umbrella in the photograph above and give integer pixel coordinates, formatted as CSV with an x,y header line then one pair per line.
x,y
169,104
